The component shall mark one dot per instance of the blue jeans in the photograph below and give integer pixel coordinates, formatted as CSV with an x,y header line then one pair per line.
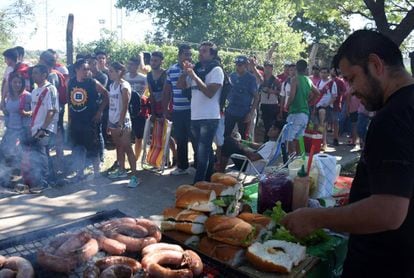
x,y
203,132
362,125
181,121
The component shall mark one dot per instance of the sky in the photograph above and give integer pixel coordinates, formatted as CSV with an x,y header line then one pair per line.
x,y
90,16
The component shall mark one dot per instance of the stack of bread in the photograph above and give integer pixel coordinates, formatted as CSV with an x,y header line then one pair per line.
x,y
212,210
194,203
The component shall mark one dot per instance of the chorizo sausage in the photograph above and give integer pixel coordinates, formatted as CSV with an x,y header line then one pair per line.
x,y
110,245
194,262
170,257
20,265
157,247
158,271
92,271
133,244
7,273
106,262
152,228
132,230
2,260
117,271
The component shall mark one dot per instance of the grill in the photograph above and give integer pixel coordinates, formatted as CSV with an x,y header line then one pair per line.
x,y
27,245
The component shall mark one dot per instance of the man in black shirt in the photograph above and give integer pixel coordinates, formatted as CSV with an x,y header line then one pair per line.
x,y
380,216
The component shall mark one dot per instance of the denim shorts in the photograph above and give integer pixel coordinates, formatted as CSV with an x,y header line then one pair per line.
x,y
299,122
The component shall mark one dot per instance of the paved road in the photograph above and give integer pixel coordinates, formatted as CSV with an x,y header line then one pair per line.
x,y
22,213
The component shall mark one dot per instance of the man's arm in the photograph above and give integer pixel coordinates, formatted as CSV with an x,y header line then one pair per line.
x,y
105,101
314,94
252,108
292,94
377,213
208,90
166,97
182,81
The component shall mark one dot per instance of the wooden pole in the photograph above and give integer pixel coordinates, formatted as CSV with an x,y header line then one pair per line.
x,y
69,40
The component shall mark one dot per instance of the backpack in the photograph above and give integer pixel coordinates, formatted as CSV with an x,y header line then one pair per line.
x,y
225,91
134,106
62,88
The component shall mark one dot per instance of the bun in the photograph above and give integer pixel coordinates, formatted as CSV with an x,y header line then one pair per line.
x,y
190,197
188,221
231,230
275,255
257,220
223,179
232,255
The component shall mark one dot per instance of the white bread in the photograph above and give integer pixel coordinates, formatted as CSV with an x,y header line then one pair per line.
x,y
231,230
190,197
188,221
275,255
230,254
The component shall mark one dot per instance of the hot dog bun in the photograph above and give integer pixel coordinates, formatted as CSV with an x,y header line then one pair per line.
x,y
190,197
230,254
187,221
257,220
223,179
231,230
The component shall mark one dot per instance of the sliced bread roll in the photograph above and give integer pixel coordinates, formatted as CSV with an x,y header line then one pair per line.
x,y
188,221
275,255
231,230
190,197
230,254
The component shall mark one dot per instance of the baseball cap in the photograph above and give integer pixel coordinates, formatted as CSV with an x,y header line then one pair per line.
x,y
241,59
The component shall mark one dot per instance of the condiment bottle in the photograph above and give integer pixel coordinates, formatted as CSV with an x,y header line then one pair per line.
x,y
301,184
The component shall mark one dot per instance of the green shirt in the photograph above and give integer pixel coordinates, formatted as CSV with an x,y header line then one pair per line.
x,y
303,89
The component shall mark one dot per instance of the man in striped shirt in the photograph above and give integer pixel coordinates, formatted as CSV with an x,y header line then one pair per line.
x,y
181,112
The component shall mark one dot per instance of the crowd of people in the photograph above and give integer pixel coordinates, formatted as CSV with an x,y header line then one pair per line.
x,y
107,101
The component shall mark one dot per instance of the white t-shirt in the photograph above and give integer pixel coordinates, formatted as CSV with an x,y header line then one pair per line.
x,y
115,101
49,102
138,83
203,107
326,98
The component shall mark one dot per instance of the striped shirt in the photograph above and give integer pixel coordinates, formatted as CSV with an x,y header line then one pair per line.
x,y
180,102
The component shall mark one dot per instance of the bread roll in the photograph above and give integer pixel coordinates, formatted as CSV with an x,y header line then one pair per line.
x,y
230,254
188,221
275,255
190,197
231,230
223,179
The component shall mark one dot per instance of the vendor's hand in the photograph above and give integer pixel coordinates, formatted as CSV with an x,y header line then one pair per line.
x,y
300,222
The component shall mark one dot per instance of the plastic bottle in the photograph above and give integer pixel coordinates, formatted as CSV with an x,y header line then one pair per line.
x,y
301,185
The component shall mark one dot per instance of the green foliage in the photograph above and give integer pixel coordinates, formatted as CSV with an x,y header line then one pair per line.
x,y
250,24
122,52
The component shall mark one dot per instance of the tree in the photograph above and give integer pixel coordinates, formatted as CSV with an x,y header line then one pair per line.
x,y
249,26
9,17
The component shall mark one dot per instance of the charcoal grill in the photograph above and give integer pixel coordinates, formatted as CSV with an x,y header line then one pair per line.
x,y
27,245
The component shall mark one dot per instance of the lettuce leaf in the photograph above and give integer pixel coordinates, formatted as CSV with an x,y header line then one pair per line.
x,y
281,233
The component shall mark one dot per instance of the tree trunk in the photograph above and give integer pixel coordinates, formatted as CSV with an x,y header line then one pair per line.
x,y
412,62
69,40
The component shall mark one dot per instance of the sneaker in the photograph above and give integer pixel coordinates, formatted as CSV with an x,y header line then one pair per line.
x,y
38,189
179,172
134,182
114,167
118,174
